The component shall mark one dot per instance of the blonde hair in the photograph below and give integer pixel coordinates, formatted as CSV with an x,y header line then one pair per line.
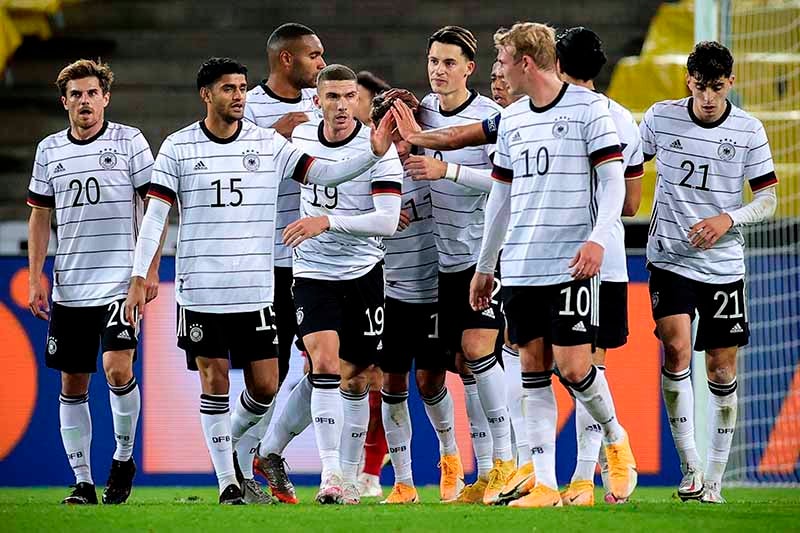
x,y
85,68
532,39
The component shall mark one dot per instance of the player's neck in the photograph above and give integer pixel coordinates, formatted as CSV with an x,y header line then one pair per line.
x,y
587,84
86,133
282,87
222,129
334,135
545,89
453,100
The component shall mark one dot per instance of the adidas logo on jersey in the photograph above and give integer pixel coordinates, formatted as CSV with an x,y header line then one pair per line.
x,y
737,328
516,137
200,166
676,144
488,313
59,168
124,335
579,327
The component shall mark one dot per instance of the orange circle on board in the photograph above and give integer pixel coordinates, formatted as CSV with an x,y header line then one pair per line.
x,y
19,287
17,380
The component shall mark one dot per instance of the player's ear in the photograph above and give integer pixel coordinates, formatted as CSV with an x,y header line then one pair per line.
x,y
689,82
106,98
285,57
470,68
205,94
316,101
732,79
64,102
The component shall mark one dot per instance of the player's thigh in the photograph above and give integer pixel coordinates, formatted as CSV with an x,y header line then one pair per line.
x,y
535,356
202,335
456,316
119,339
527,318
73,338
322,348
612,331
362,332
252,336
321,316
410,336
722,310
670,294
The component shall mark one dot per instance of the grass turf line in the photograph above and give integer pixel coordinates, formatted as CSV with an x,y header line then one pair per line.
x,y
195,508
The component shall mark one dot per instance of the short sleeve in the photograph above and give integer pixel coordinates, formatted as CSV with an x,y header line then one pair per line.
x,y
502,168
600,134
165,178
290,161
40,189
631,143
759,168
387,174
140,164
648,135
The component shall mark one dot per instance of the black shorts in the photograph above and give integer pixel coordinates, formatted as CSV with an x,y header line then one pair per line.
x,y
352,308
722,308
411,336
564,315
241,337
455,313
285,319
76,333
613,329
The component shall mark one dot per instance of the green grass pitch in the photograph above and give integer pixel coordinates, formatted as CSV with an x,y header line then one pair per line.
x,y
195,509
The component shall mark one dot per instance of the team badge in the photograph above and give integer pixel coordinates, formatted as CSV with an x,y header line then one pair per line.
x,y
196,333
51,346
654,300
108,160
300,315
560,128
726,150
251,161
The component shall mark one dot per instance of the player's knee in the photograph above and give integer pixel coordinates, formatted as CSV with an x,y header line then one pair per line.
x,y
214,381
428,384
117,372
264,390
356,384
573,374
326,364
677,353
721,373
394,383
74,384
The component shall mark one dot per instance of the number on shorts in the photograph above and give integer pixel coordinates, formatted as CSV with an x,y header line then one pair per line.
x,y
496,286
737,313
118,310
264,326
373,331
583,301
435,334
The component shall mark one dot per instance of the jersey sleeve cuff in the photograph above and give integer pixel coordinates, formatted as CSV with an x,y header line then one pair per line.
x,y
764,181
605,155
41,200
387,187
301,168
503,175
165,194
633,172
142,190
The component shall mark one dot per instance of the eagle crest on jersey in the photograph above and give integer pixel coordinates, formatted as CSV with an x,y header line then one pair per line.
x,y
108,159
251,161
726,150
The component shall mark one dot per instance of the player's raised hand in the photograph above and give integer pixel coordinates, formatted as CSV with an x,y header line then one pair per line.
x,y
708,231
422,167
480,291
403,95
586,263
305,228
288,122
37,298
404,117
381,136
404,221
136,300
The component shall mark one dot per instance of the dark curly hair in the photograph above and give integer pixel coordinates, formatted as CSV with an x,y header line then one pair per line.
x,y
580,53
710,61
382,103
216,67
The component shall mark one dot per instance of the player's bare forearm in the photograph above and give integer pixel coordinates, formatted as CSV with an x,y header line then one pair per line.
x,y
38,238
450,138
633,197
152,281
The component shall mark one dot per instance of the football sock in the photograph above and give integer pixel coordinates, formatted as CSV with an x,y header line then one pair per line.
x,y
478,426
540,420
513,375
216,421
375,447
295,417
679,402
439,409
327,413
593,392
76,434
492,390
589,436
722,404
125,406
354,431
246,414
397,425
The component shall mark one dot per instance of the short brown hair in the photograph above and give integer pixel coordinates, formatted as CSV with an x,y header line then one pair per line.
x,y
85,68
381,104
336,72
532,39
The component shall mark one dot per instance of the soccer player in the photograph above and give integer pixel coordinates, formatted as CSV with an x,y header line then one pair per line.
x,y
369,86
94,175
580,57
458,213
411,334
558,191
338,286
225,172
705,148
281,102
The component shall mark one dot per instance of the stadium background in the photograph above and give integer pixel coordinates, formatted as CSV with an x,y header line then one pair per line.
x,y
155,48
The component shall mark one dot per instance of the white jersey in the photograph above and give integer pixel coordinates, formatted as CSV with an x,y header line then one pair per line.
x,y
701,171
96,187
549,154
264,108
335,255
227,192
615,266
458,210
412,259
